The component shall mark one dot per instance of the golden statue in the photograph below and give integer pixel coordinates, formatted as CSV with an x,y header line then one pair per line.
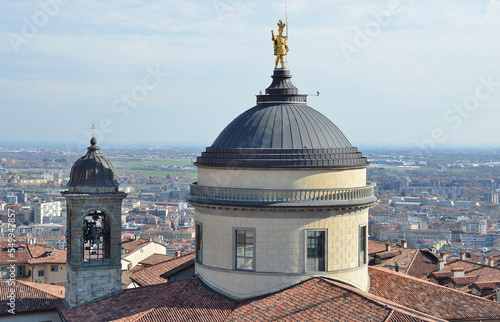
x,y
280,45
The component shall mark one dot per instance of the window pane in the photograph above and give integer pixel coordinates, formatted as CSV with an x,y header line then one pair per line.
x,y
240,250
240,261
244,249
248,263
240,236
248,250
315,251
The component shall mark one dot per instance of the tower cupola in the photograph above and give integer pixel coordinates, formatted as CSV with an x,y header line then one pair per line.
x,y
93,233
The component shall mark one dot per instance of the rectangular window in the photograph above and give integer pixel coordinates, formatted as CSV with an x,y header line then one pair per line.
x,y
362,245
4,273
244,250
54,268
41,273
21,271
199,243
315,250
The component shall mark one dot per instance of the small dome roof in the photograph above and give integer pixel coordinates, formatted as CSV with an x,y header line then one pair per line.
x,y
93,169
282,131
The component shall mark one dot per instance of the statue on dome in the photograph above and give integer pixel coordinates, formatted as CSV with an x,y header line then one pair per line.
x,y
280,45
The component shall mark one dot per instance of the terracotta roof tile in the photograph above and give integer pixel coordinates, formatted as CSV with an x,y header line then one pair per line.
x,y
156,259
30,297
428,297
160,273
321,299
193,302
127,306
422,264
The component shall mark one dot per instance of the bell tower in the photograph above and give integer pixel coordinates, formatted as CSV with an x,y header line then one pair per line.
x,y
93,233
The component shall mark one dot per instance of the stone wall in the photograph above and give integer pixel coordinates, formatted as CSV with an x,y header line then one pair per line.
x,y
280,245
281,178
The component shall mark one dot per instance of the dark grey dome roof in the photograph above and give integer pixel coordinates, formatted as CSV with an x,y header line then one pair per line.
x,y
284,126
281,131
93,169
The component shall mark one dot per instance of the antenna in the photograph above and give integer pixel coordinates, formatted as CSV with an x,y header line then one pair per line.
x,y
286,24
286,20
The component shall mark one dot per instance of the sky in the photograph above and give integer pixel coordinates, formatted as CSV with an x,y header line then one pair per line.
x,y
421,74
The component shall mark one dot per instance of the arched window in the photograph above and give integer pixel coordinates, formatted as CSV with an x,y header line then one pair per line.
x,y
96,239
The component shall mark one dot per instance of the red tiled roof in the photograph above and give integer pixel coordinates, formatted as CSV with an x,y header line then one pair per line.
x,y
193,302
133,245
30,297
321,299
46,255
190,299
32,254
403,257
156,259
487,285
422,264
160,273
428,297
127,306
484,273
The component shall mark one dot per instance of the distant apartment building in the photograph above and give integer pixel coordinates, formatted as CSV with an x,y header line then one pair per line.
x,y
477,226
47,212
427,234
465,204
491,197
475,239
148,196
131,203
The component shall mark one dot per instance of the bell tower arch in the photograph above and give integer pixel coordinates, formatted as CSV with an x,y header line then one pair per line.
x,y
93,233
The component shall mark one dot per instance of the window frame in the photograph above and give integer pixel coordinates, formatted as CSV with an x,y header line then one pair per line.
x,y
235,249
325,249
40,273
363,246
198,238
4,273
21,271
54,268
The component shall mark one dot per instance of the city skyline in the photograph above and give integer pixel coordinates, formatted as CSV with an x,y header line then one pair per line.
x,y
389,72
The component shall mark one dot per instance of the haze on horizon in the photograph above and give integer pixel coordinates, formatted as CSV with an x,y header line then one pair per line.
x,y
389,72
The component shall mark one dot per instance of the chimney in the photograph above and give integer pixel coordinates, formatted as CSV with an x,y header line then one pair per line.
x,y
462,256
498,294
177,253
440,264
404,243
457,272
486,261
388,247
443,256
396,267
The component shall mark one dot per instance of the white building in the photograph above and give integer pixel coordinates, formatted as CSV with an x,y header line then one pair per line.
x,y
43,211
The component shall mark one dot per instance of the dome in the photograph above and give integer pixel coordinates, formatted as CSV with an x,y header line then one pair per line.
x,y
282,131
93,169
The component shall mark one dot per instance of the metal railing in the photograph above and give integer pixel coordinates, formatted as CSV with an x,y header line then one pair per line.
x,y
281,195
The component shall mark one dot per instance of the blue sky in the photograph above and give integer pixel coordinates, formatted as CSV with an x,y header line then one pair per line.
x,y
417,73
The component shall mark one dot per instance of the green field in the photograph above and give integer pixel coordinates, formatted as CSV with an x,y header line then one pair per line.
x,y
150,163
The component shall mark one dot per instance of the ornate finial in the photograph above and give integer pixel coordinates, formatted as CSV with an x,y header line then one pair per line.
x,y
280,45
93,140
93,128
